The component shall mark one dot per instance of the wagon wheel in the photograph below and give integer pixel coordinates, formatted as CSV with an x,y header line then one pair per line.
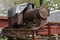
x,y
10,38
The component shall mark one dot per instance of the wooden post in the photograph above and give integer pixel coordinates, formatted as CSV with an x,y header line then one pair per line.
x,y
49,31
34,34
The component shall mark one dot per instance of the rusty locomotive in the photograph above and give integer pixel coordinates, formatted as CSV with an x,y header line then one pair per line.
x,y
23,21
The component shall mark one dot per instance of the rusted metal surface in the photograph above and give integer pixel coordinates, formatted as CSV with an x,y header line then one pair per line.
x,y
26,24
19,33
44,12
33,16
41,12
18,16
20,19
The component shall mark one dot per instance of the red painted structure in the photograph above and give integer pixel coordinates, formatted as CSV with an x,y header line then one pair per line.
x,y
3,21
54,29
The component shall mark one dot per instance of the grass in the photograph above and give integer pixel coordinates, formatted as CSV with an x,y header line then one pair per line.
x,y
3,39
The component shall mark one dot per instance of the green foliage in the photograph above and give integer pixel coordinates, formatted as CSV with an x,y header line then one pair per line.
x,y
52,4
36,2
19,1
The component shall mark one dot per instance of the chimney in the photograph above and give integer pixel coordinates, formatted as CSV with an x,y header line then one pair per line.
x,y
41,2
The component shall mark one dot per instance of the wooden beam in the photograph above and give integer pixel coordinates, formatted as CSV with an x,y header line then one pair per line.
x,y
49,31
40,26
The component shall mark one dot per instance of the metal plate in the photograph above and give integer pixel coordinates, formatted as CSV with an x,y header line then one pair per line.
x,y
44,12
